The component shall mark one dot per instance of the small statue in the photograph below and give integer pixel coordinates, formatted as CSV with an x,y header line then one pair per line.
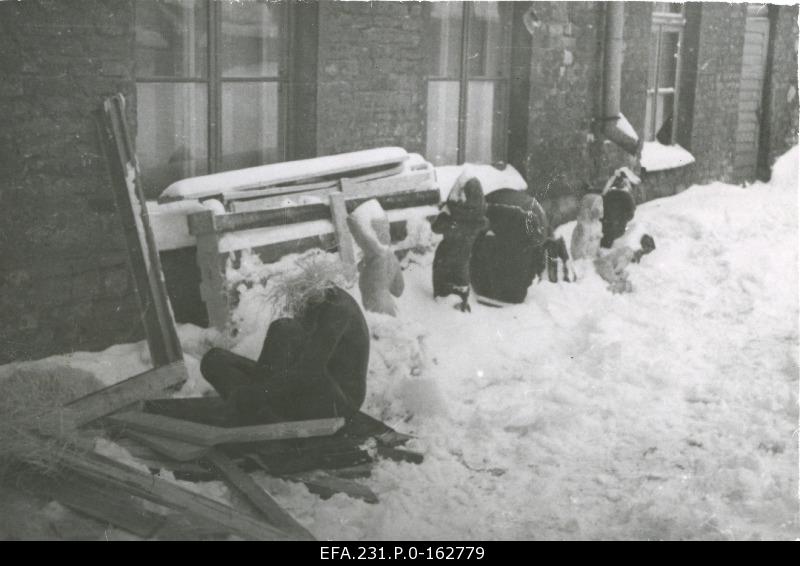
x,y
612,265
380,276
463,217
589,230
618,205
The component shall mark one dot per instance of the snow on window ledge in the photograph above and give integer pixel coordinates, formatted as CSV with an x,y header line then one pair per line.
x,y
658,157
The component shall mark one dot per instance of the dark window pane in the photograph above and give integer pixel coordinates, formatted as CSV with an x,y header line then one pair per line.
x,y
444,38
489,35
250,125
251,39
485,121
171,38
442,134
171,133
668,63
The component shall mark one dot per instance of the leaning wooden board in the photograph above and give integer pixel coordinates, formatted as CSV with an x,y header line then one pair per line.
x,y
278,173
150,287
208,435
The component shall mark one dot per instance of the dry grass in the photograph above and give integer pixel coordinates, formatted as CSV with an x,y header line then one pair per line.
x,y
28,395
290,293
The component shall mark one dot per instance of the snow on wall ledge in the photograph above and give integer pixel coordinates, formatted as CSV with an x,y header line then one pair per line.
x,y
659,157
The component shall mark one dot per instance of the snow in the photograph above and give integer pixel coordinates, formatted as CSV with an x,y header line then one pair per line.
x,y
670,412
658,157
169,222
490,177
626,128
276,173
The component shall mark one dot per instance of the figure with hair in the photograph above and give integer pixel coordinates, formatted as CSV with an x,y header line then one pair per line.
x,y
313,363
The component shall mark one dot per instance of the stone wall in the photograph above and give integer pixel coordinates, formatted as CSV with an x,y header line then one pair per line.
x,y
64,283
371,87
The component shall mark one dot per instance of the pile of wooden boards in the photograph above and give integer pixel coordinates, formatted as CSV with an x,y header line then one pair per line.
x,y
197,440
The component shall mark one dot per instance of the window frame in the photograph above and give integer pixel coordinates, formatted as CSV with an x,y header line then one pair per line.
x,y
214,81
463,78
661,23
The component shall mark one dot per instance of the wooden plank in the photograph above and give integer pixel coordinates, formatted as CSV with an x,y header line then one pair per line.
x,y
256,495
409,182
213,284
292,462
171,448
278,201
344,240
156,313
280,173
234,222
326,485
208,435
147,385
114,475
112,507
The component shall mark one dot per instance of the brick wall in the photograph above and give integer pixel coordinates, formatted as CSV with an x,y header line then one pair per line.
x,y
371,76
716,100
563,83
64,283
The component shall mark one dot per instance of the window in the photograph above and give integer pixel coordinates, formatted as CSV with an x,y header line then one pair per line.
x,y
662,80
210,86
468,74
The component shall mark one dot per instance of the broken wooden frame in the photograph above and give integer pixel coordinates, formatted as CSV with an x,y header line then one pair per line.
x,y
278,231
151,291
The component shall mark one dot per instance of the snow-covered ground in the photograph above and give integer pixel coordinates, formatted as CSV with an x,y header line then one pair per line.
x,y
667,413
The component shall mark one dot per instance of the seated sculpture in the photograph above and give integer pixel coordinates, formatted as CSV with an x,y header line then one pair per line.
x,y
313,363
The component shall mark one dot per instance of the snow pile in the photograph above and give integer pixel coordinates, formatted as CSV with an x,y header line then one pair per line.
x,y
670,412
658,157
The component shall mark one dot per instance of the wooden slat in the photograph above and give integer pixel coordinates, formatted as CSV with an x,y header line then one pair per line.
x,y
169,447
114,475
112,507
147,385
256,495
409,182
237,221
207,435
156,312
326,485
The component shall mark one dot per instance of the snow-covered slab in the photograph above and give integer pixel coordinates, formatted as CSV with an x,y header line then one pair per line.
x,y
659,157
491,178
170,228
277,173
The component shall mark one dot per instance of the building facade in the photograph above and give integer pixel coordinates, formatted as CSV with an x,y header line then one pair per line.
x,y
214,86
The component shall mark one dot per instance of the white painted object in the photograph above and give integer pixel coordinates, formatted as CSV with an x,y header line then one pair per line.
x,y
277,173
588,229
490,177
